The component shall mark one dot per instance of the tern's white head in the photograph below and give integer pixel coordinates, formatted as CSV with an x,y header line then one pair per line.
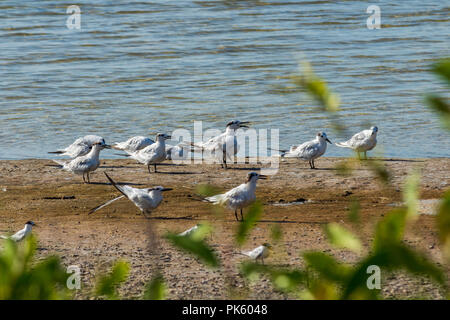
x,y
162,137
267,245
322,136
101,145
30,224
253,176
374,130
236,124
159,189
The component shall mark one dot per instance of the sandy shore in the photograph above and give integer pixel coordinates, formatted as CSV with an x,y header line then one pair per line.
x,y
58,202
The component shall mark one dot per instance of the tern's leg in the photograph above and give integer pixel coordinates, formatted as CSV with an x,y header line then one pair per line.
x,y
235,214
88,178
148,167
262,259
365,155
313,165
225,160
242,216
310,164
84,180
155,167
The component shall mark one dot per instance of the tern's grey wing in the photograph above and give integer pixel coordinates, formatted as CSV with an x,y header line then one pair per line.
x,y
308,150
18,235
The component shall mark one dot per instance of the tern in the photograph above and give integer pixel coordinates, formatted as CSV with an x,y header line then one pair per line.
x,y
81,146
224,145
152,154
309,150
258,253
133,144
362,141
21,234
239,197
85,164
146,199
137,143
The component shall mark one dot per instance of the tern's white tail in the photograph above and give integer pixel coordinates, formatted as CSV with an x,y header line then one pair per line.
x,y
61,163
342,144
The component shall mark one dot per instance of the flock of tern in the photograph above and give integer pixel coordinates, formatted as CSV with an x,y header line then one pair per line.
x,y
85,158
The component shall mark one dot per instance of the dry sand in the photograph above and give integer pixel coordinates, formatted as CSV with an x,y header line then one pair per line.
x,y
58,202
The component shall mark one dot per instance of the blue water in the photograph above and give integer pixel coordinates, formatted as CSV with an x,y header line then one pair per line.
x,y
141,67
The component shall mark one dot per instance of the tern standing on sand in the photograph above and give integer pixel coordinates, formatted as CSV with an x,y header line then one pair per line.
x,y
133,144
361,142
21,234
258,253
81,146
152,154
239,197
224,145
310,150
85,164
138,143
146,199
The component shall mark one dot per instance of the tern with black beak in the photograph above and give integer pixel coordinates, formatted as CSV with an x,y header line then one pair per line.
x,y
152,154
85,164
309,150
146,200
239,197
21,234
224,146
363,141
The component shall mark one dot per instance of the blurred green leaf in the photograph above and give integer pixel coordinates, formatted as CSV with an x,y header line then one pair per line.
x,y
107,284
317,88
340,237
156,289
251,218
393,257
440,107
282,279
327,266
442,68
443,223
411,194
353,214
201,232
194,246
380,170
276,233
390,229
206,190
22,279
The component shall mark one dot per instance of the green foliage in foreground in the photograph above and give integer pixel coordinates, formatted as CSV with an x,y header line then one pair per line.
x,y
196,245
324,277
107,284
439,104
21,280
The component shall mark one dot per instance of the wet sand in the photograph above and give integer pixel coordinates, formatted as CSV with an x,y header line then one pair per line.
x,y
59,202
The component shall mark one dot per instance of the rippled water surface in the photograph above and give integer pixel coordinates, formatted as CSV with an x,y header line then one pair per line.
x,y
139,67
